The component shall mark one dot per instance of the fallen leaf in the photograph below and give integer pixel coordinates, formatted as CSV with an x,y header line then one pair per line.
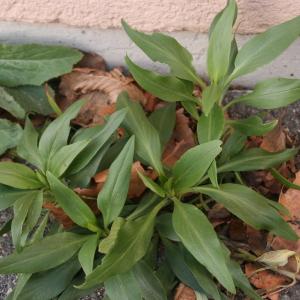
x,y
136,186
237,230
62,217
181,140
275,140
278,258
257,240
267,280
101,90
184,292
92,61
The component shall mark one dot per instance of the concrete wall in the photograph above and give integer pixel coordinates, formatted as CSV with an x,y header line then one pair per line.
x,y
93,25
165,15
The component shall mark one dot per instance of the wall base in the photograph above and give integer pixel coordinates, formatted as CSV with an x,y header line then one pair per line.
x,y
113,44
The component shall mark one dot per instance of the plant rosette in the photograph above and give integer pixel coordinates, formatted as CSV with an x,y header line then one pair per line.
x,y
143,248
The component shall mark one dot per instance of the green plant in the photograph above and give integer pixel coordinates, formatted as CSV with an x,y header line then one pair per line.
x,y
125,242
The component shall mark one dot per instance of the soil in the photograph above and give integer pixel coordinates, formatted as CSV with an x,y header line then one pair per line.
x,y
290,120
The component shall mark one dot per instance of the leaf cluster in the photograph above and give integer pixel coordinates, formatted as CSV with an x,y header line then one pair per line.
x,y
140,250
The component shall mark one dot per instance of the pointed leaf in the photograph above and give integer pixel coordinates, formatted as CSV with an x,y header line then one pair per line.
x,y
211,127
165,87
265,47
152,185
98,140
63,158
18,176
165,49
244,202
56,134
27,148
147,143
273,93
72,204
10,135
211,96
202,276
256,159
253,126
123,286
43,255
199,238
113,195
87,253
150,286
32,98
34,64
131,245
163,119
194,163
220,41
8,103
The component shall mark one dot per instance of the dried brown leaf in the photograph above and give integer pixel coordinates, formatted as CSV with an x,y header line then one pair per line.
x,y
184,292
181,140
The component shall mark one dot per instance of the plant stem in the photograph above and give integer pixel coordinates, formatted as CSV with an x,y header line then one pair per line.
x,y
235,101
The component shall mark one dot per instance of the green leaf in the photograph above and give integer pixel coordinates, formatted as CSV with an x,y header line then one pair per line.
x,y
253,126
220,42
256,159
107,243
9,195
147,142
199,238
56,134
72,204
210,97
152,185
123,286
211,127
131,245
233,145
202,276
164,49
8,103
150,286
168,88
244,202
63,158
283,180
194,163
163,120
18,176
113,195
43,255
31,99
175,259
241,281
84,176
213,174
273,93
165,227
146,204
191,108
10,135
265,47
27,147
98,140
22,281
34,64
87,253
27,211
48,285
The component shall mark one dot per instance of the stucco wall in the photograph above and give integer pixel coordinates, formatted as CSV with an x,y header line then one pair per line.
x,y
166,15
